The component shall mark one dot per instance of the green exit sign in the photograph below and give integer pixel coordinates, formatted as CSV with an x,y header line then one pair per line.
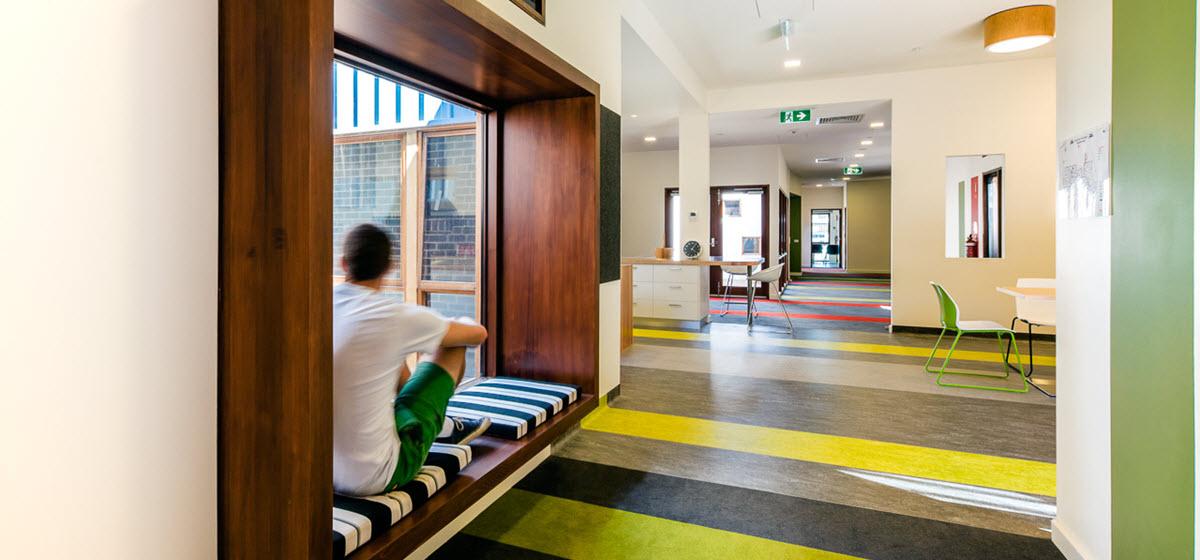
x,y
856,170
795,116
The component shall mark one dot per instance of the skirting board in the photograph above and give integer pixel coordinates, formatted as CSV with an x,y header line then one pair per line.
x,y
1021,335
1063,542
460,522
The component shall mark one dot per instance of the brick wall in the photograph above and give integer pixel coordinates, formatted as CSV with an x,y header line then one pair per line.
x,y
366,188
449,235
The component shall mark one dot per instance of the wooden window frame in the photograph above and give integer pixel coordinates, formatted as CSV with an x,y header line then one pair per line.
x,y
274,389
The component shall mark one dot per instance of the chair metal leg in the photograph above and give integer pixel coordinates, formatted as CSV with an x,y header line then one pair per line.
x,y
783,306
728,281
1000,335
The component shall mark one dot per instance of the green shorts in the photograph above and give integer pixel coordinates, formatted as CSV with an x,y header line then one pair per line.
x,y
420,410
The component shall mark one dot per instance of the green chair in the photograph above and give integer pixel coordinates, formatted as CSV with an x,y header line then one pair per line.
x,y
951,323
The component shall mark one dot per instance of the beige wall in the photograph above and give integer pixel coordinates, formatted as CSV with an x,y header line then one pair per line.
x,y
813,198
644,177
935,114
109,416
869,226
588,36
1083,528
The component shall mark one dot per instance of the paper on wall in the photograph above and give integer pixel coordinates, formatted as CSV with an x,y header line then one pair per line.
x,y
1084,175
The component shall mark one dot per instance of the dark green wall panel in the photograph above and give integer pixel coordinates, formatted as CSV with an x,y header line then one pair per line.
x,y
1152,253
610,195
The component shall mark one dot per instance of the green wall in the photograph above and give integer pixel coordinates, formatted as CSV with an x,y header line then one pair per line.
x,y
1154,63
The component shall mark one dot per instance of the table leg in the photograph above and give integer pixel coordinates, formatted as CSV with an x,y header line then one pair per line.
x,y
749,298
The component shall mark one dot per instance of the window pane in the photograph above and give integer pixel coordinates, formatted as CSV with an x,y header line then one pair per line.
x,y
457,305
448,252
366,188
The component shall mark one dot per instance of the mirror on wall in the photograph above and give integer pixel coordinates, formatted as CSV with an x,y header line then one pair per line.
x,y
975,206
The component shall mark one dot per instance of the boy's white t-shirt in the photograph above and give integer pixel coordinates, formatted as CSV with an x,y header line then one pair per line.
x,y
372,336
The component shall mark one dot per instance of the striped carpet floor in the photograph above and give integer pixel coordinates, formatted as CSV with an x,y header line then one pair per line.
x,y
831,443
818,302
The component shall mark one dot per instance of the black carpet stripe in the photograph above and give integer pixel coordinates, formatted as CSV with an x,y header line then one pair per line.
x,y
463,546
833,527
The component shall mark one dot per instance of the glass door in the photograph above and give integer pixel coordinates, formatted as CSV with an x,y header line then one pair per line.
x,y
826,238
738,223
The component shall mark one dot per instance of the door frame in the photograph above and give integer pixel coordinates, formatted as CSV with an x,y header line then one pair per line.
x,y
716,277
841,245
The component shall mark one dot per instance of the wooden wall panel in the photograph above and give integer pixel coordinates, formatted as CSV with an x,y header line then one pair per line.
x,y
549,253
274,407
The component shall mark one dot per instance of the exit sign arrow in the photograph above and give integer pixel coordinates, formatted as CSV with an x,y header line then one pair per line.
x,y
855,170
795,116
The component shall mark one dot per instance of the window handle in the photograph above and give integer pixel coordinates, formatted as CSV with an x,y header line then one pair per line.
x,y
675,287
674,305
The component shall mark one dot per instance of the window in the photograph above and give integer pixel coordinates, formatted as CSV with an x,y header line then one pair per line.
x,y
751,245
407,161
733,208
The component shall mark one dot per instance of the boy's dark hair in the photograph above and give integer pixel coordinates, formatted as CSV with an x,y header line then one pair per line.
x,y
368,252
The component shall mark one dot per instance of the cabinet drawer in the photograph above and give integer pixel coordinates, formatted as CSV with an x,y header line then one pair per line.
x,y
643,273
643,291
676,274
687,293
682,311
643,309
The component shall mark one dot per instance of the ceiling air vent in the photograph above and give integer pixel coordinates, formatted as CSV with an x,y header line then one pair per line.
x,y
844,119
830,159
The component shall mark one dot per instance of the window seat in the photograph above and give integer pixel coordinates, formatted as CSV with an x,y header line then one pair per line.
x,y
492,458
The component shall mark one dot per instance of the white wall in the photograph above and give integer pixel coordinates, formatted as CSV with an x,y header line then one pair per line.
x,y
935,113
1083,528
644,178
109,223
588,36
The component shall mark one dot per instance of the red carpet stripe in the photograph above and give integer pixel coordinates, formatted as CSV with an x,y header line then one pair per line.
x,y
742,300
811,316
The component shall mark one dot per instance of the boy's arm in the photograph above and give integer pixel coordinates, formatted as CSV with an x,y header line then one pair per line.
x,y
464,331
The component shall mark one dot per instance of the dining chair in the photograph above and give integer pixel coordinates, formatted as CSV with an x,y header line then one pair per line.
x,y
731,272
1034,313
764,278
952,323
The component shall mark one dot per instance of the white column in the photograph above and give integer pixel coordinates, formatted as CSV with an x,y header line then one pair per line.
x,y
693,178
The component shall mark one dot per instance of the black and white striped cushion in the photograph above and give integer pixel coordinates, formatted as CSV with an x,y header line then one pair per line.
x,y
356,520
516,406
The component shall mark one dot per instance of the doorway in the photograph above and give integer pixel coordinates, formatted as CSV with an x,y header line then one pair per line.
x,y
826,241
796,225
738,227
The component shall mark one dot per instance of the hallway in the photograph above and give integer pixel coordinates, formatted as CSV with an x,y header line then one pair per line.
x,y
832,443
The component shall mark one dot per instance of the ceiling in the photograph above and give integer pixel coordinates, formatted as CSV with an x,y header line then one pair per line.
x,y
803,143
645,78
728,44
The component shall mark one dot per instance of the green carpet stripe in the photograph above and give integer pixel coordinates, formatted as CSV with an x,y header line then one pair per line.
x,y
578,530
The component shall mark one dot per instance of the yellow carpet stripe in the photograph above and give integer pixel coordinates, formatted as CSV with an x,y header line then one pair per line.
x,y
831,298
858,347
1017,475
578,530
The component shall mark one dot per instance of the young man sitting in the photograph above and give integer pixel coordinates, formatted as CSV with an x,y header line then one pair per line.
x,y
384,419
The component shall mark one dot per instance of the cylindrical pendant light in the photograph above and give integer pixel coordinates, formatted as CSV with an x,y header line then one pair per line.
x,y
1018,29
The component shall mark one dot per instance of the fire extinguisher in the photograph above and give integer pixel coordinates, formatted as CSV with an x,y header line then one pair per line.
x,y
972,246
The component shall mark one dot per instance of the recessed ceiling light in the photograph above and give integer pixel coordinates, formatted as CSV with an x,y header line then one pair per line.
x,y
832,179
820,184
635,116
867,142
791,63
876,124
854,165
860,154
845,178
650,139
